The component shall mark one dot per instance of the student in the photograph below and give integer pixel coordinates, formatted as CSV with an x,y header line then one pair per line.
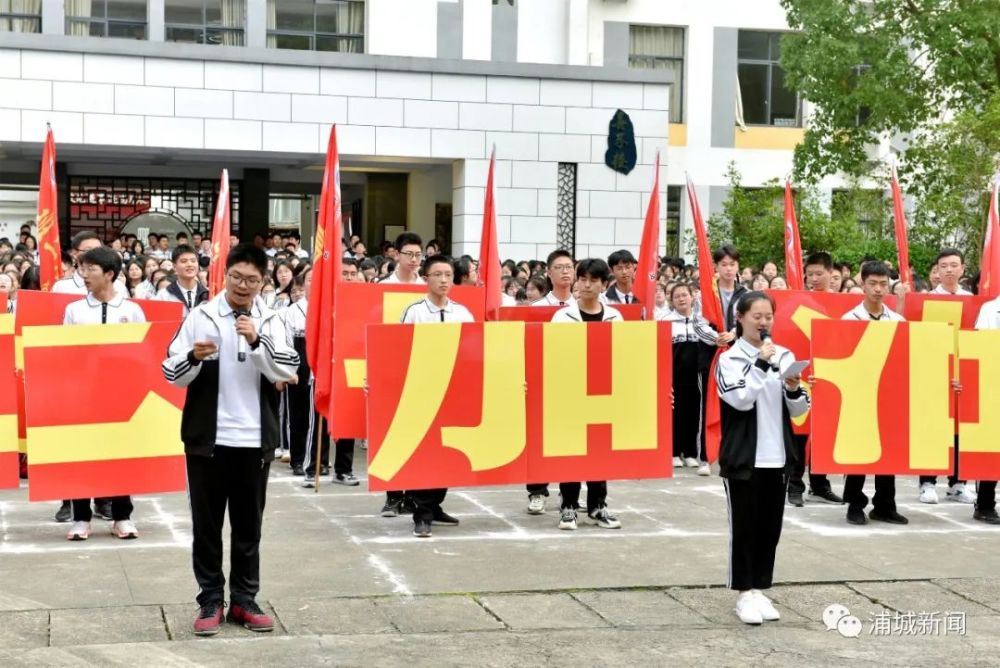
x,y
756,452
296,406
185,289
727,266
950,266
985,509
662,310
623,265
100,267
818,270
229,426
408,247
75,284
436,307
875,283
591,276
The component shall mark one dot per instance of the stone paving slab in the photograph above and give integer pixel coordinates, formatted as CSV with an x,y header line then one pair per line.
x,y
180,618
424,614
541,611
90,626
920,597
809,601
332,616
639,608
981,590
23,630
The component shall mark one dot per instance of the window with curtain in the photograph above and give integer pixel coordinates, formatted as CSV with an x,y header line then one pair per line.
x,y
106,18
20,15
316,25
761,81
661,48
205,21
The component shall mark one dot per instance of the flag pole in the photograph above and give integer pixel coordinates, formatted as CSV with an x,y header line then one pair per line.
x,y
319,444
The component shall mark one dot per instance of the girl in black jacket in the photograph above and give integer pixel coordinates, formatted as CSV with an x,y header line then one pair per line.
x,y
756,452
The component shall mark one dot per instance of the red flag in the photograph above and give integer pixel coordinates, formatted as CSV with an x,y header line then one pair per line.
x,y
489,252
220,238
989,269
649,249
711,309
793,246
49,251
327,255
903,246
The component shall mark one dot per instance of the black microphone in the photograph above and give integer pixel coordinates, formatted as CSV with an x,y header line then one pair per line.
x,y
765,337
241,341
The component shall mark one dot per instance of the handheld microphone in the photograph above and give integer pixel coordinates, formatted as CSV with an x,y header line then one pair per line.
x,y
765,337
241,341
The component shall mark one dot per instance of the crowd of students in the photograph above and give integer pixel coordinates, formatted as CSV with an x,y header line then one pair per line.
x,y
761,461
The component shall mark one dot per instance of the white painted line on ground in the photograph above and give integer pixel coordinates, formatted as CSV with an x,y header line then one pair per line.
x,y
182,538
519,530
543,534
86,546
4,524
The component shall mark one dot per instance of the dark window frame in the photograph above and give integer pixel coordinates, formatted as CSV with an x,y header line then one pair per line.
x,y
677,116
204,27
108,23
771,63
313,35
21,16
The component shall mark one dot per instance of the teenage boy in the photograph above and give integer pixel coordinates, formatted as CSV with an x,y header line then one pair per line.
x,y
591,276
436,307
623,265
875,283
81,243
185,289
727,268
232,356
986,510
950,265
818,271
409,251
100,267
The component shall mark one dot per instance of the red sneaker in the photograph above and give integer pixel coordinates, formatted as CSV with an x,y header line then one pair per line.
x,y
209,619
250,616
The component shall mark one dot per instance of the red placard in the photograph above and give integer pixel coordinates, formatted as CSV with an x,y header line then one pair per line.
x,y
978,405
513,402
8,404
359,305
927,307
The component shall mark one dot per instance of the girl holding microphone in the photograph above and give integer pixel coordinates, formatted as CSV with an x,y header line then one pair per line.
x,y
760,387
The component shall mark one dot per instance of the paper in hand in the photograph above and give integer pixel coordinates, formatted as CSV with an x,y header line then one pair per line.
x,y
795,369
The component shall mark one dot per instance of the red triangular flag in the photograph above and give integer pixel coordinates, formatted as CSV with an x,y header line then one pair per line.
x,y
49,250
220,238
902,245
489,251
649,249
327,255
793,246
989,270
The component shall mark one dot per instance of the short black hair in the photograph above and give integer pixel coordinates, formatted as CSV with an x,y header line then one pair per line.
x,y
152,235
408,239
437,259
620,257
874,268
724,251
357,243
821,258
594,267
347,261
555,255
181,235
247,252
80,237
949,252
105,258
463,268
182,249
367,263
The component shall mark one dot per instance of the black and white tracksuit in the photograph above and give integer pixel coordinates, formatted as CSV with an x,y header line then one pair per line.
x,y
693,338
755,457
229,427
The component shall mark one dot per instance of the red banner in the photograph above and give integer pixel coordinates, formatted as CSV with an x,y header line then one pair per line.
x,y
220,238
49,249
446,408
978,406
359,305
84,441
8,403
950,309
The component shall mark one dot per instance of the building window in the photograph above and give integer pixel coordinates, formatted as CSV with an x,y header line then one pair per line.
x,y
761,81
566,206
661,48
673,243
316,25
206,21
106,18
20,15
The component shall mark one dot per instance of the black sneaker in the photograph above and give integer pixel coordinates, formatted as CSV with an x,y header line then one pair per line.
x,y
422,529
392,508
345,479
408,507
102,508
795,499
298,470
825,496
892,517
856,516
65,512
988,516
441,517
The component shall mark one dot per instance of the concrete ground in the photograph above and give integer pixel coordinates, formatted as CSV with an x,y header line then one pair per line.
x,y
504,588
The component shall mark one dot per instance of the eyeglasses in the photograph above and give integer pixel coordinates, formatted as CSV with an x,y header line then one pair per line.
x,y
562,267
248,281
411,255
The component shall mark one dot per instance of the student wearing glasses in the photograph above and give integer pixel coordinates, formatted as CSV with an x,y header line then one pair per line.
x,y
410,249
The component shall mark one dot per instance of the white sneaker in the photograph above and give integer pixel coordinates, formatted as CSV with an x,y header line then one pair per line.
x,y
705,469
747,609
567,520
960,493
767,610
536,504
678,462
691,462
79,531
124,529
928,493
286,456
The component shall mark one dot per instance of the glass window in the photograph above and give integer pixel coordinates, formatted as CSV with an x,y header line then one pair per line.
x,y
316,25
206,21
673,245
20,15
661,48
766,100
106,18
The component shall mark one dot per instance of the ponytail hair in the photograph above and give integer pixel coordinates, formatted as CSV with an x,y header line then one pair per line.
x,y
746,301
